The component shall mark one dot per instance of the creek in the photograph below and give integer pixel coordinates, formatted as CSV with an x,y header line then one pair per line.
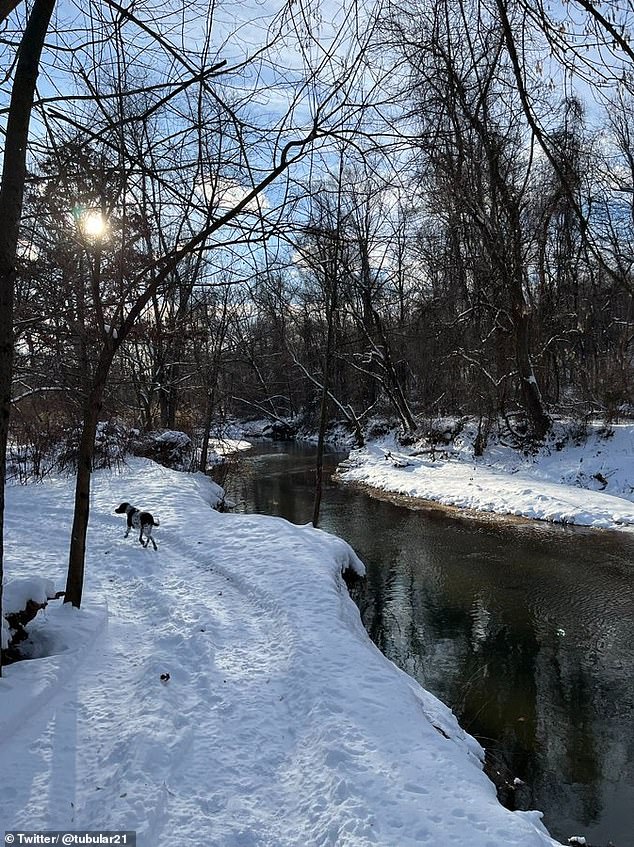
x,y
525,629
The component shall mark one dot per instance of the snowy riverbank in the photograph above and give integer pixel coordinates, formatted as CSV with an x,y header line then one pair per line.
x,y
280,723
587,481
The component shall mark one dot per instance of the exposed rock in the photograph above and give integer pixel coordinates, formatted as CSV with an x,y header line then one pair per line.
x,y
170,448
279,431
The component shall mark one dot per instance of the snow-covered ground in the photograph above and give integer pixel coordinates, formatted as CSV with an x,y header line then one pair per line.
x,y
587,481
229,446
222,691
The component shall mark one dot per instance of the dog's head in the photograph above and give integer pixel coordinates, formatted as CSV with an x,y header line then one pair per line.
x,y
120,510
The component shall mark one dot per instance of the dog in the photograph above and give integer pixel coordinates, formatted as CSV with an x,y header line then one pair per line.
x,y
143,521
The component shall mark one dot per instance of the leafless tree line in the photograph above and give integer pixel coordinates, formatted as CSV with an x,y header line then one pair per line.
x,y
140,142
425,211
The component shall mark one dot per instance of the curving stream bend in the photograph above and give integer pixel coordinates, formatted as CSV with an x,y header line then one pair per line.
x,y
525,629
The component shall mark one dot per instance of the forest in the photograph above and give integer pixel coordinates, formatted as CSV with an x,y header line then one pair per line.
x,y
318,212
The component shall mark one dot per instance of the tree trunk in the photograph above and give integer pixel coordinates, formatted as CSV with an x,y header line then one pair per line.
x,y
396,389
168,396
11,195
331,307
321,438
209,416
538,420
172,397
75,577
92,410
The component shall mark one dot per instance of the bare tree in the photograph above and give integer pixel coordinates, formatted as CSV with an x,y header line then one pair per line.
x,y
11,196
474,166
593,46
213,316
203,153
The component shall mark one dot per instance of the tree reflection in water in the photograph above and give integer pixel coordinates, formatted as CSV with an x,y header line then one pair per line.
x,y
525,630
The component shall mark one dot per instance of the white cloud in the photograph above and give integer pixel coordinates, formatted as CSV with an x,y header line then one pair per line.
x,y
226,194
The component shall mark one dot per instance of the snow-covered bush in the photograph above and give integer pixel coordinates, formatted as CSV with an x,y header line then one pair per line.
x,y
21,600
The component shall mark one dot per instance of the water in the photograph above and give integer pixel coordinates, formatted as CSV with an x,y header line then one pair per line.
x,y
525,630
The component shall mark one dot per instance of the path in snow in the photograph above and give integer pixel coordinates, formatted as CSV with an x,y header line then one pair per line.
x,y
281,724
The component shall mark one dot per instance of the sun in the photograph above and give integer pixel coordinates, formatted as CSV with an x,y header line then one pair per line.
x,y
94,225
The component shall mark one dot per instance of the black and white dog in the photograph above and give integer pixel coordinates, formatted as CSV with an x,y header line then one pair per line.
x,y
143,521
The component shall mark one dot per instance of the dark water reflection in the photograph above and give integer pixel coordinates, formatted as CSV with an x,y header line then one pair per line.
x,y
525,630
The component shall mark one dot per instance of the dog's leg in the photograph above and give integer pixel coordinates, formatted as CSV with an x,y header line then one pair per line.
x,y
125,534
147,529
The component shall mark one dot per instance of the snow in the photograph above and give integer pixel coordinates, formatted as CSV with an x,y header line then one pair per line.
x,y
171,436
281,723
224,448
17,593
590,483
229,446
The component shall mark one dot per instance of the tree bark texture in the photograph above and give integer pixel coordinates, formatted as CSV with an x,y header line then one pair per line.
x,y
11,197
92,410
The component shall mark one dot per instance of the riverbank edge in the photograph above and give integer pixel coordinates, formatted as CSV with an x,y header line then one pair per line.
x,y
460,513
581,479
506,787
